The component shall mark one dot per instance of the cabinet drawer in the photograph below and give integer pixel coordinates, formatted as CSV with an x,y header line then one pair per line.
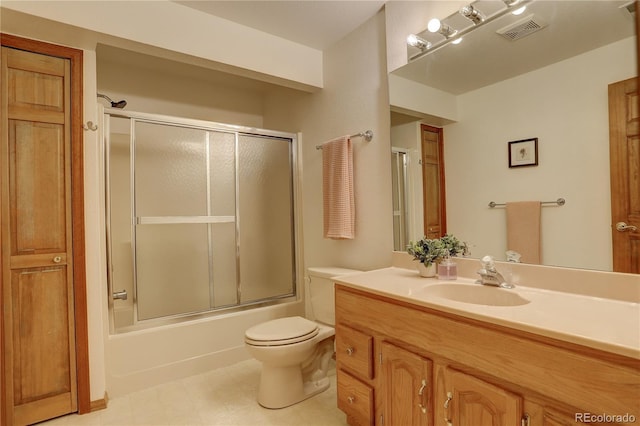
x,y
355,399
354,351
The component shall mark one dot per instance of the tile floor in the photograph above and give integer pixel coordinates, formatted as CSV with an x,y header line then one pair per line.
x,y
224,397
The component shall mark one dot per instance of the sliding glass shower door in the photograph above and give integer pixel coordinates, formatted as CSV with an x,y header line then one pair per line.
x,y
210,213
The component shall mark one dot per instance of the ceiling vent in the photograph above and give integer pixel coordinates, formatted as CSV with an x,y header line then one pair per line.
x,y
522,28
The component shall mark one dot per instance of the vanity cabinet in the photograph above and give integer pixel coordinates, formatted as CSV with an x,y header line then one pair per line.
x,y
548,416
406,386
469,401
354,362
401,363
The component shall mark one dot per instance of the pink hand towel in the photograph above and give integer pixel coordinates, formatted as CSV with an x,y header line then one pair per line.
x,y
523,230
338,201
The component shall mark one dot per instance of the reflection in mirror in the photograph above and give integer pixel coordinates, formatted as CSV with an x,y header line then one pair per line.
x,y
552,85
399,164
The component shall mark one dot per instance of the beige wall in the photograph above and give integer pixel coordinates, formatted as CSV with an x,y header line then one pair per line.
x,y
354,99
160,86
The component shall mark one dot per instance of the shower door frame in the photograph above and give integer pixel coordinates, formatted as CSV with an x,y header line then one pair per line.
x,y
403,213
207,126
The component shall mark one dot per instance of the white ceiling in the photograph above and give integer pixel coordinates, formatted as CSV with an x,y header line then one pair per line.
x,y
314,23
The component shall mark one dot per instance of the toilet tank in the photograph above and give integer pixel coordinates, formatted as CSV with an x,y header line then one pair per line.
x,y
321,292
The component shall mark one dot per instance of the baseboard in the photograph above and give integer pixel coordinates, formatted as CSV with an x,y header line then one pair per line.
x,y
99,404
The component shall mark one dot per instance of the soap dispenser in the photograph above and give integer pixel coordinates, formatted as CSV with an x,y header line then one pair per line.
x,y
447,269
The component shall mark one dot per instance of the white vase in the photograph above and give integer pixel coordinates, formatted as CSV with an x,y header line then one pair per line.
x,y
427,271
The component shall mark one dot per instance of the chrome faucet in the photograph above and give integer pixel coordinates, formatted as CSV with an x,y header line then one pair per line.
x,y
489,275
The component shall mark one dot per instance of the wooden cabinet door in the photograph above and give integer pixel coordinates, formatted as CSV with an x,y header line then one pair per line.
x,y
407,387
37,273
474,402
433,184
624,147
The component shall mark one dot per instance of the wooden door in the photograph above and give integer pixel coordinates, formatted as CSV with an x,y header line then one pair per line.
x,y
624,145
474,402
407,387
39,217
435,224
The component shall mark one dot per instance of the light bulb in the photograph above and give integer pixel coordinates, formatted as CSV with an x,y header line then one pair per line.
x,y
472,14
415,41
457,41
434,25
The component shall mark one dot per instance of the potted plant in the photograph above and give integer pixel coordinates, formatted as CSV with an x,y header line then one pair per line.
x,y
454,246
427,252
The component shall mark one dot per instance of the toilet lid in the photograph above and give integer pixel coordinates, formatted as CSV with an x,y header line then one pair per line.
x,y
281,331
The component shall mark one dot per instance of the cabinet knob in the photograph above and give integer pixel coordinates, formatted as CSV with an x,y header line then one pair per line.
x,y
57,259
351,399
350,351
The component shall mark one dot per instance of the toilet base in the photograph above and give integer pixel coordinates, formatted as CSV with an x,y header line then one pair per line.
x,y
291,389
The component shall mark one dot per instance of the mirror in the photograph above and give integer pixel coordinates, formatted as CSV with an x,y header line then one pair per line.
x,y
489,90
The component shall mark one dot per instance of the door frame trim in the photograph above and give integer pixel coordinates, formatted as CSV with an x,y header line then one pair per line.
x,y
75,57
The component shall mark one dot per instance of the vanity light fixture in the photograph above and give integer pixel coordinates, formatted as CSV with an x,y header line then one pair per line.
x,y
420,43
472,14
452,36
436,26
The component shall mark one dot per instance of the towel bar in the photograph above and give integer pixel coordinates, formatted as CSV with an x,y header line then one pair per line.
x,y
367,135
558,202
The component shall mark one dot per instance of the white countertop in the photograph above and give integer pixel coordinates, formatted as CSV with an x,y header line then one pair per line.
x,y
606,324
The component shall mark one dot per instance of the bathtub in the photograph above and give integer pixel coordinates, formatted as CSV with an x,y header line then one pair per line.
x,y
144,358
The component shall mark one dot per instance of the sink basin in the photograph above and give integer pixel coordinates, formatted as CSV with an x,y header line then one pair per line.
x,y
475,294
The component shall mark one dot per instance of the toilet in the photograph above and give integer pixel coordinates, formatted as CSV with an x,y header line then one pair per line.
x,y
294,351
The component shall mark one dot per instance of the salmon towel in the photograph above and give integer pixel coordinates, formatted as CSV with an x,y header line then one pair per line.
x,y
523,230
338,201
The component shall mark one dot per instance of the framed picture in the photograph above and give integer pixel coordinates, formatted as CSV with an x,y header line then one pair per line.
x,y
523,153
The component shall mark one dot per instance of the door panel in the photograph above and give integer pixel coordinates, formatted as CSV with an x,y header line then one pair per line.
x,y
624,145
41,332
37,187
39,348
433,182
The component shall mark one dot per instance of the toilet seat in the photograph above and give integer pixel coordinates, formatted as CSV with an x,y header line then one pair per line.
x,y
282,331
